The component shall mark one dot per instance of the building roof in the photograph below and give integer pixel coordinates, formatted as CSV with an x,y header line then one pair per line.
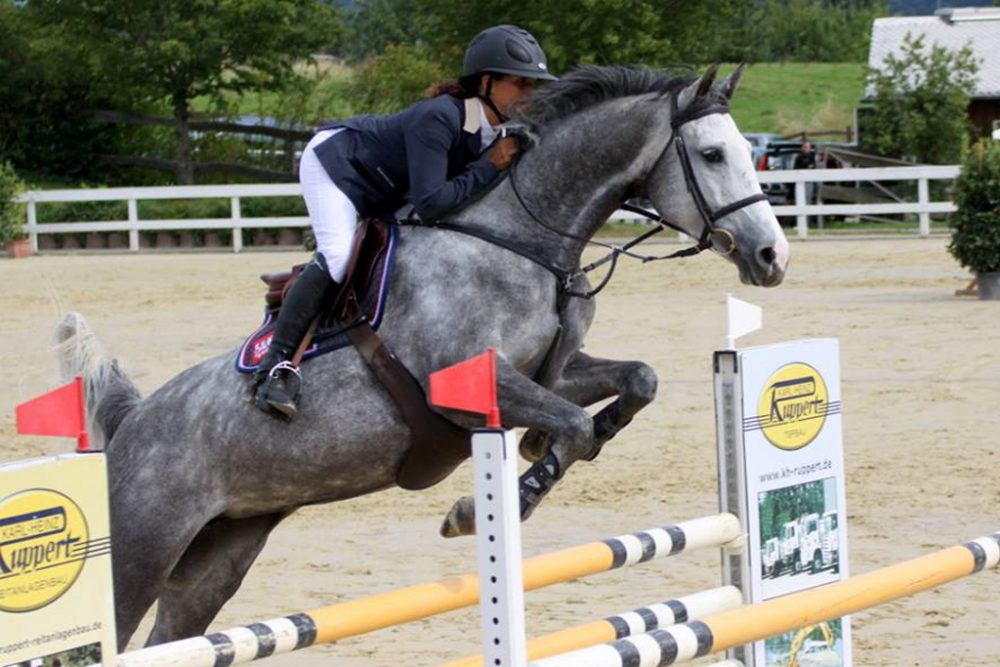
x,y
952,29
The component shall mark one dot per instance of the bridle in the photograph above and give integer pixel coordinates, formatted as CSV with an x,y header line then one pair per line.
x,y
711,234
717,238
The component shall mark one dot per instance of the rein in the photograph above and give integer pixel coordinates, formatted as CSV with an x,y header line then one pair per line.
x,y
710,237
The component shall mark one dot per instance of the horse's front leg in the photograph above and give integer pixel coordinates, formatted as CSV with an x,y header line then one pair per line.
x,y
587,380
523,403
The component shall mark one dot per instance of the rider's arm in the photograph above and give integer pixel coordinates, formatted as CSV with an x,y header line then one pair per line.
x,y
428,138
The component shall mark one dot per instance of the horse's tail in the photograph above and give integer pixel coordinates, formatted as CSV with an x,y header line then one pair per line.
x,y
110,394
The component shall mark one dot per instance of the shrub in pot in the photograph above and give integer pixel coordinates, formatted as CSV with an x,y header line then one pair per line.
x,y
975,241
12,221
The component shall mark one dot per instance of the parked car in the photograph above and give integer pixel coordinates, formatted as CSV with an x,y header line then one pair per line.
x,y
759,142
779,154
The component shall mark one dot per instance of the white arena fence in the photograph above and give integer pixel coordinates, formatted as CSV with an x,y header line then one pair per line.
x,y
236,222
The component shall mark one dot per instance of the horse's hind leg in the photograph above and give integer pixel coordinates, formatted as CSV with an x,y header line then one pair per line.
x,y
208,574
587,380
525,403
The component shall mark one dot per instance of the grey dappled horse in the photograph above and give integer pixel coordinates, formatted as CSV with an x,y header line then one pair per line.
x,y
199,477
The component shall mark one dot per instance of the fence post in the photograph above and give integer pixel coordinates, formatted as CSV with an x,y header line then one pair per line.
x,y
923,198
802,220
133,225
234,203
32,229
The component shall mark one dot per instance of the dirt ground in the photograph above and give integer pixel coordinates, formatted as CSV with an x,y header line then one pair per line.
x,y
921,413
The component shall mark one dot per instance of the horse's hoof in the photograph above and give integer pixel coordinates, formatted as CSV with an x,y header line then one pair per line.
x,y
461,520
534,445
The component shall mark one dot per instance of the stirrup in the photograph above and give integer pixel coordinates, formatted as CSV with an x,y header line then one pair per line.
x,y
280,372
285,365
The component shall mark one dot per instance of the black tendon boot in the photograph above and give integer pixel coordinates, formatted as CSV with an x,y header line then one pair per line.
x,y
279,382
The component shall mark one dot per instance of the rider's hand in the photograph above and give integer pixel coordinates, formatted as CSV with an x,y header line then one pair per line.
x,y
503,152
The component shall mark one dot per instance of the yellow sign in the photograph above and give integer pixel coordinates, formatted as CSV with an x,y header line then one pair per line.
x,y
43,544
793,406
56,598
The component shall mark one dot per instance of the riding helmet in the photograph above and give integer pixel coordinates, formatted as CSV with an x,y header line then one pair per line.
x,y
506,49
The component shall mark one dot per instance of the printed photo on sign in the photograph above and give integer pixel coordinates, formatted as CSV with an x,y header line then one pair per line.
x,y
799,538
81,656
820,645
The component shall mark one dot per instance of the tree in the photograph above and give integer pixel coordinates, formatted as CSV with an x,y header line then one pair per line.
x,y
800,30
373,25
172,51
921,102
630,31
43,87
652,32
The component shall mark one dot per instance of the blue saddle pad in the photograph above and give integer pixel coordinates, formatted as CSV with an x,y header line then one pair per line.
x,y
328,336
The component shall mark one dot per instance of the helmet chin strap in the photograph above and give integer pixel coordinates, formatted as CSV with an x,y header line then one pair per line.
x,y
488,99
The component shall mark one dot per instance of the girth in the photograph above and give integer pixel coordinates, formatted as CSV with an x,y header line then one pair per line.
x,y
437,446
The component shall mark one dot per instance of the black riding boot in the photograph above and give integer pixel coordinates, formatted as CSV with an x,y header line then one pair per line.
x,y
278,381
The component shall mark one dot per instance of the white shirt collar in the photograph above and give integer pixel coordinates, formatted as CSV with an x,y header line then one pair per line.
x,y
488,133
476,121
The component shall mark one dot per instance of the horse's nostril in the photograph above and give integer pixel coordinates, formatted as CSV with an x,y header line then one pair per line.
x,y
767,256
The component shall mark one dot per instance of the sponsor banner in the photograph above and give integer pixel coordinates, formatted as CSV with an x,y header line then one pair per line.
x,y
781,457
56,600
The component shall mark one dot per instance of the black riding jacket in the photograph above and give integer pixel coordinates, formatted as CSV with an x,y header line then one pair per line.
x,y
429,155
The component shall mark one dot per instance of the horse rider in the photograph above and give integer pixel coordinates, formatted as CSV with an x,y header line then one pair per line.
x,y
435,155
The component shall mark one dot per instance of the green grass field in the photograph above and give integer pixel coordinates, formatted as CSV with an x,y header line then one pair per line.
x,y
786,98
783,98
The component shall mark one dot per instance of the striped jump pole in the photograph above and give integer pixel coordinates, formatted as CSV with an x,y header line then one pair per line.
x,y
637,621
349,619
755,622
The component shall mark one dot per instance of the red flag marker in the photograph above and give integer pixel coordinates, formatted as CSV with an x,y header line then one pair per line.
x,y
470,385
58,412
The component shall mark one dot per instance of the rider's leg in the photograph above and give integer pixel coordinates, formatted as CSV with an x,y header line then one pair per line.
x,y
334,219
279,378
331,213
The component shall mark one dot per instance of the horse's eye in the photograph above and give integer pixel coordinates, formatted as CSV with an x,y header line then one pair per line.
x,y
712,155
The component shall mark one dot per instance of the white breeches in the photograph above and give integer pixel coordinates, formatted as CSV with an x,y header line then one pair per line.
x,y
332,215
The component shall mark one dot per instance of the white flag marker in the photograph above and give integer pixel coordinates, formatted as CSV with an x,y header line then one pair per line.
x,y
741,318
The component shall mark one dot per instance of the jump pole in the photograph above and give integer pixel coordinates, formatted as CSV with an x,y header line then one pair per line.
x,y
637,621
357,617
755,622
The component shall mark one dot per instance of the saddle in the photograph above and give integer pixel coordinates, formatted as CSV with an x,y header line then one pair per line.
x,y
437,446
366,284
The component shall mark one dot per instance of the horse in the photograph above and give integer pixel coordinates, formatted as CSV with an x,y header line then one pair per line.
x,y
199,477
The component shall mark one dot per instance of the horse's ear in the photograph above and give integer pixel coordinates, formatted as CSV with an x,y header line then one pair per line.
x,y
733,80
707,79
698,88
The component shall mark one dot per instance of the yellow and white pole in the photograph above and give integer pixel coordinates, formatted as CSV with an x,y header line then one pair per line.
x,y
348,619
637,621
755,622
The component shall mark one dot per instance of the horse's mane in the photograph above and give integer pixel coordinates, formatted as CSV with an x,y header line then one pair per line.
x,y
592,84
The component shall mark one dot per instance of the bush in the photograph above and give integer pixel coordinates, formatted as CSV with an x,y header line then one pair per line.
x,y
11,214
82,211
921,98
976,223
397,78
